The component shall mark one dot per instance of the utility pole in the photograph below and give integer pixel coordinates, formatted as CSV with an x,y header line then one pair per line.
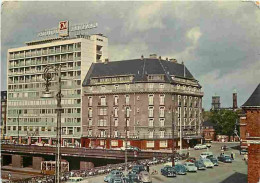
x,y
18,126
173,151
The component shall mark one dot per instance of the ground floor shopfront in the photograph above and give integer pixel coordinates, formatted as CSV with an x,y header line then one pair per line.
x,y
144,144
45,141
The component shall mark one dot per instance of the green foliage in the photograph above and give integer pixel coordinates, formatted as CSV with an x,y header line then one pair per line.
x,y
225,121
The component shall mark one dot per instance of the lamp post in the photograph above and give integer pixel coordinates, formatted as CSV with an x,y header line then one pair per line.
x,y
173,125
18,140
127,109
47,94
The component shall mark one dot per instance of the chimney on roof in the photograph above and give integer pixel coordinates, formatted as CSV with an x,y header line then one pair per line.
x,y
142,57
173,60
160,57
153,55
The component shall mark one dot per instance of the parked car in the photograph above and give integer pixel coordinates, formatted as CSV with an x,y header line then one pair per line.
x,y
191,159
131,148
225,159
190,167
168,171
213,160
199,164
112,174
200,146
206,154
132,176
243,151
117,179
145,177
207,163
138,168
180,169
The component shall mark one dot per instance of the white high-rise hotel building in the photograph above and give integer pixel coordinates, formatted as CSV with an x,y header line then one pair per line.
x,y
31,118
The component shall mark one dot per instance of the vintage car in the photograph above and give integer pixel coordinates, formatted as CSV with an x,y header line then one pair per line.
x,y
190,167
180,169
145,177
225,158
112,174
168,171
207,163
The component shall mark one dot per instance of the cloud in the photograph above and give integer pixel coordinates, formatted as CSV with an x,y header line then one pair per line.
x,y
133,49
145,17
243,80
218,41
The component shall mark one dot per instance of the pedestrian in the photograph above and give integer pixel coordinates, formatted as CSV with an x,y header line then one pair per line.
x,y
234,156
147,168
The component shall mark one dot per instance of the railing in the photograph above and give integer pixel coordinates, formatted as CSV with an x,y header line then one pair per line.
x,y
79,152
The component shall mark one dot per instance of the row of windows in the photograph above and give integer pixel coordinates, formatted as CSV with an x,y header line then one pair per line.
x,y
43,120
45,60
151,86
65,130
150,100
67,84
45,51
43,102
43,111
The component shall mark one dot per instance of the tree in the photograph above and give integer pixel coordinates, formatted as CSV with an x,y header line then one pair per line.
x,y
225,121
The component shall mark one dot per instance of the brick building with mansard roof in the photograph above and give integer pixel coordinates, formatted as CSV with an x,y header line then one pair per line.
x,y
250,134
140,98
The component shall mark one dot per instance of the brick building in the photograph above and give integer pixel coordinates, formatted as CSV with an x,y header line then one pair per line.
x,y
208,131
141,98
250,134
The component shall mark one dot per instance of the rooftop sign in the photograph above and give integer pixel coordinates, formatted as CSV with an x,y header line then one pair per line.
x,y
64,29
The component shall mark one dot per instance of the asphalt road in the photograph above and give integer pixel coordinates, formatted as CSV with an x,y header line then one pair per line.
x,y
235,172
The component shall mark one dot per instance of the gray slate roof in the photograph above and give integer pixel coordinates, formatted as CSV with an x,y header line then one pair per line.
x,y
254,99
140,68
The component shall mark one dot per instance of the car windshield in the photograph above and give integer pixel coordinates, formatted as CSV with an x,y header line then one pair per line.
x,y
170,169
206,160
190,164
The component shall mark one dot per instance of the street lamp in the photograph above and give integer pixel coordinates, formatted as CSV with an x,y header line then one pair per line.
x,y
173,125
127,109
18,127
47,94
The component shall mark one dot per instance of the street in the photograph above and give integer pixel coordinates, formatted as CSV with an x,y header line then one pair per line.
x,y
235,172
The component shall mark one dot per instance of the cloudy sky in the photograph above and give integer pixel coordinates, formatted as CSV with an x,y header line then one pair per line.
x,y
219,42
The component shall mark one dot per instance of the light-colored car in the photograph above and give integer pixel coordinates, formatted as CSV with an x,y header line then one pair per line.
x,y
145,177
206,154
207,163
113,174
198,147
190,167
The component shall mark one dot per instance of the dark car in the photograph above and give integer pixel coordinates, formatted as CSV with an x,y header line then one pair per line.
x,y
191,159
213,160
138,168
200,165
180,169
168,171
132,177
225,159
116,179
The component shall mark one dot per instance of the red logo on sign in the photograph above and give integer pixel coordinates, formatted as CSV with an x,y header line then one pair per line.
x,y
63,25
